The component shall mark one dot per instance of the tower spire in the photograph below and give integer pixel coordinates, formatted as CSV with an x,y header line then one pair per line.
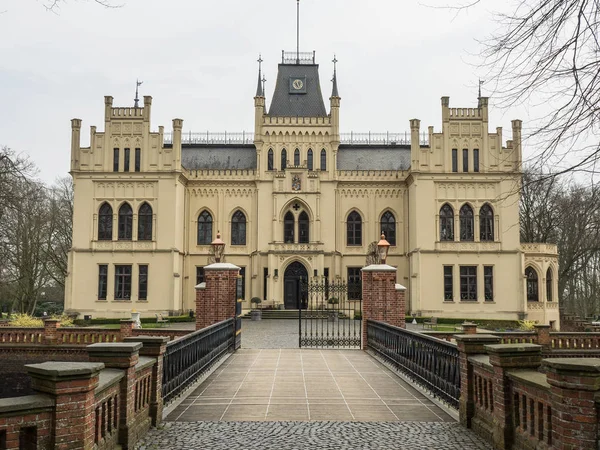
x,y
260,91
138,83
334,92
297,31
479,94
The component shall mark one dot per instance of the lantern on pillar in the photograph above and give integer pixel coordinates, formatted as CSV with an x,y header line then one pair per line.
x,y
383,246
219,247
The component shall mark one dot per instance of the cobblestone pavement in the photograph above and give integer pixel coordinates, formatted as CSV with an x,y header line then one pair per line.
x,y
272,333
312,435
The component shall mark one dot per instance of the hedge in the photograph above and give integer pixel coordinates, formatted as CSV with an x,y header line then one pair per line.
x,y
106,321
490,324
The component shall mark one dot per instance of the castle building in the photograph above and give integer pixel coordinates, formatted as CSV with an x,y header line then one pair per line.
x,y
298,200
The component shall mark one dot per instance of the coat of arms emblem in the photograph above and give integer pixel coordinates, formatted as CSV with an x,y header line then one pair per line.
x,y
296,185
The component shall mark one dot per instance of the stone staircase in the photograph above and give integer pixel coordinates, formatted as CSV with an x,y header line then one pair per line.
x,y
268,314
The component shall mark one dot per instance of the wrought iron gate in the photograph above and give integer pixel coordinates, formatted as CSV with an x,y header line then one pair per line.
x,y
331,316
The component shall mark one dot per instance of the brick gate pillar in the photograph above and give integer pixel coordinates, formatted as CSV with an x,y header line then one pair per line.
x,y
382,298
216,297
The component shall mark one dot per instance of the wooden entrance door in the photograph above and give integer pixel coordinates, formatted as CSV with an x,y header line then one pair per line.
x,y
294,276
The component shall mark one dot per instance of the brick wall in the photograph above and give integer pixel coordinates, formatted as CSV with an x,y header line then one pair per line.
x,y
216,298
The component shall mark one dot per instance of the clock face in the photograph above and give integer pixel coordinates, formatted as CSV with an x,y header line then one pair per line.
x,y
298,84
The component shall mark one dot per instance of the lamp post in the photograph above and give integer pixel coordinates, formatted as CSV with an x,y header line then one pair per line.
x,y
383,246
218,247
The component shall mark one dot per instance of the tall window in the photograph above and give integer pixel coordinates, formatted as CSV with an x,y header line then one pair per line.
x,y
296,157
309,159
446,223
466,223
486,223
476,160
115,160
454,160
288,228
323,160
138,159
105,223
145,223
388,227
549,285
126,155
265,282
143,282
199,275
238,228
243,275
283,159
465,160
125,222
303,228
270,159
354,283
205,226
488,283
448,283
354,229
532,285
102,281
122,282
468,282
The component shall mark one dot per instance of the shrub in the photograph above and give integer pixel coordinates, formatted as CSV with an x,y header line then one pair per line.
x,y
25,320
256,301
527,325
357,315
333,301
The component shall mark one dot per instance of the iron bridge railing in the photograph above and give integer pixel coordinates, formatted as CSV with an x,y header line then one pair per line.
x,y
432,363
188,357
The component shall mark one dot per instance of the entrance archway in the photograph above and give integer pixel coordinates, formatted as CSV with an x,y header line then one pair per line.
x,y
294,276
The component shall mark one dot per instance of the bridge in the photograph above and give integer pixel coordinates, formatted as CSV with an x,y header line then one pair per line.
x,y
401,389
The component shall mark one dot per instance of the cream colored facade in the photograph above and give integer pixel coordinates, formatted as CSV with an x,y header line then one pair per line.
x,y
181,177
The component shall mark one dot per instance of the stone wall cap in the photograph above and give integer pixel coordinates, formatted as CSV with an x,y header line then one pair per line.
x,y
107,378
513,348
55,369
201,286
115,347
379,268
158,340
574,364
477,337
221,266
399,287
27,402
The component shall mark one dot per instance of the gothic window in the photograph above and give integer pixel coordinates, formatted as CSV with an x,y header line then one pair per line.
x,y
309,159
145,223
105,223
303,228
486,223
354,229
205,225
126,157
476,160
323,160
115,160
138,159
283,159
238,228
296,157
388,227
288,228
446,223
466,223
549,285
532,284
270,160
125,222
454,160
465,160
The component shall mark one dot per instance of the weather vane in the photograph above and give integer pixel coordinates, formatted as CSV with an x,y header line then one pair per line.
x,y
138,83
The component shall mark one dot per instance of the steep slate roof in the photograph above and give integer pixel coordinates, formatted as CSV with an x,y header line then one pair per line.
x,y
373,157
310,104
218,157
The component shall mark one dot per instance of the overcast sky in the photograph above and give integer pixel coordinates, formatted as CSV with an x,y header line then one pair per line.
x,y
197,60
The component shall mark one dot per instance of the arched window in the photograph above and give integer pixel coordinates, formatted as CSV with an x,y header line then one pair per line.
x,y
446,223
145,223
549,286
532,285
270,160
105,223
354,229
125,222
297,157
309,159
283,159
323,160
238,228
486,223
205,226
466,223
288,228
303,228
388,227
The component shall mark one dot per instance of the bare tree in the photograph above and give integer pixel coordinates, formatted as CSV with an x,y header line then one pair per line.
x,y
54,5
60,229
